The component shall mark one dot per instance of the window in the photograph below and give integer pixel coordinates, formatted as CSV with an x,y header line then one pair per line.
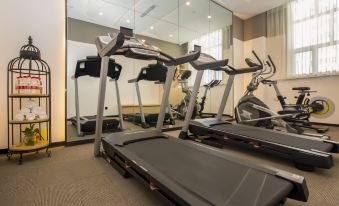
x,y
211,44
313,37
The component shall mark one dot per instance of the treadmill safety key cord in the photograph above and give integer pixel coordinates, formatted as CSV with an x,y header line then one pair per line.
x,y
152,186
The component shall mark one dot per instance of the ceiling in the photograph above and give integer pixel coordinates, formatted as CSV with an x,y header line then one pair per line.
x,y
172,21
248,8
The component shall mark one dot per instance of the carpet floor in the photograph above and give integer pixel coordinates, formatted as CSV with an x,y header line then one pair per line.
x,y
72,176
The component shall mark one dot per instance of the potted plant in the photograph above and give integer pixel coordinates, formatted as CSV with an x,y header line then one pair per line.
x,y
30,135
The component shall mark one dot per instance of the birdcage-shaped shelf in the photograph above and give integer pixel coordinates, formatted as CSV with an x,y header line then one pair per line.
x,y
29,103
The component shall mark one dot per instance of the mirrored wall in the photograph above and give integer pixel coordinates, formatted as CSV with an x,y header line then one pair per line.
x,y
174,26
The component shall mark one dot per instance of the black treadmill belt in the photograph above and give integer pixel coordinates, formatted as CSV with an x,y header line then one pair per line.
x,y
150,117
94,118
275,137
212,179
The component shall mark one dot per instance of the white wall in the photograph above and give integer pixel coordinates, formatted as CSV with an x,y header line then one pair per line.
x,y
89,87
44,20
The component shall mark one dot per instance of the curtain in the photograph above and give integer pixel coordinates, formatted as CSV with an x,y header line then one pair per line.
x,y
277,39
313,37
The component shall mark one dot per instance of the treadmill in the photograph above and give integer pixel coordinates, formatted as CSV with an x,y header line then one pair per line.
x,y
306,152
157,74
91,67
180,172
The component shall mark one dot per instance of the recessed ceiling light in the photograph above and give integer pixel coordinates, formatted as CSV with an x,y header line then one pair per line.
x,y
101,13
171,35
209,16
128,21
151,27
188,3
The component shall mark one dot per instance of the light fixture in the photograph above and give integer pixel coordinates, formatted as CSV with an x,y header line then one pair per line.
x,y
143,40
101,13
151,27
128,21
209,16
188,3
171,35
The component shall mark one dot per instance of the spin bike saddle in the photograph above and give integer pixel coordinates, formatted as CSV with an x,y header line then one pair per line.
x,y
301,88
266,81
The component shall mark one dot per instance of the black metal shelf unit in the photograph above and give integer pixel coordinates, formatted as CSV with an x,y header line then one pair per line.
x,y
30,66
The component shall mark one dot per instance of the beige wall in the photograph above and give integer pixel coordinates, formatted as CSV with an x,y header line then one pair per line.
x,y
44,20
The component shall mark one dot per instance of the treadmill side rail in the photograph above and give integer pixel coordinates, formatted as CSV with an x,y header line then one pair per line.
x,y
302,158
335,144
300,192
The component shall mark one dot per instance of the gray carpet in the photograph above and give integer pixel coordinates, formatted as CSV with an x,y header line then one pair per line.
x,y
72,135
72,176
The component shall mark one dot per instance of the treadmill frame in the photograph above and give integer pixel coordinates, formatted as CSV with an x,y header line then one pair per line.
x,y
144,124
77,106
303,159
123,164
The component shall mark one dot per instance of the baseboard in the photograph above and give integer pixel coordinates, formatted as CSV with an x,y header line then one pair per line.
x,y
53,144
3,151
170,129
58,144
79,142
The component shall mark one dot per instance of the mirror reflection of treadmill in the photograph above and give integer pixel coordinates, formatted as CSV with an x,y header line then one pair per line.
x,y
85,125
155,73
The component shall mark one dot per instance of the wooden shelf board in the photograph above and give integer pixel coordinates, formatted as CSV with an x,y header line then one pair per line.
x,y
28,121
146,105
29,95
22,147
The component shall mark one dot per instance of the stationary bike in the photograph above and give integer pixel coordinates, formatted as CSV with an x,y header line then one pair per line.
x,y
303,104
252,111
210,85
181,108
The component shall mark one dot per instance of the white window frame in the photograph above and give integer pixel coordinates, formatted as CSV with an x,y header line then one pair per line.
x,y
315,47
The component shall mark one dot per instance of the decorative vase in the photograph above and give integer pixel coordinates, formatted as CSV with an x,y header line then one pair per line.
x,y
29,140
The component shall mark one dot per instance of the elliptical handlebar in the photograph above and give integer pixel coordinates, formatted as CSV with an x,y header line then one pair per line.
x,y
271,63
256,56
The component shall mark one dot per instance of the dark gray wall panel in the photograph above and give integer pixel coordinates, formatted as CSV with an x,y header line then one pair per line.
x,y
255,27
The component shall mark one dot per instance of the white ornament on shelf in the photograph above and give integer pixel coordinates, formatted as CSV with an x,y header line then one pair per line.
x,y
25,111
30,116
30,104
43,116
20,117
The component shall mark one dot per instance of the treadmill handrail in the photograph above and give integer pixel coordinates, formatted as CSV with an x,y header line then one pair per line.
x,y
211,65
234,71
114,45
221,65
